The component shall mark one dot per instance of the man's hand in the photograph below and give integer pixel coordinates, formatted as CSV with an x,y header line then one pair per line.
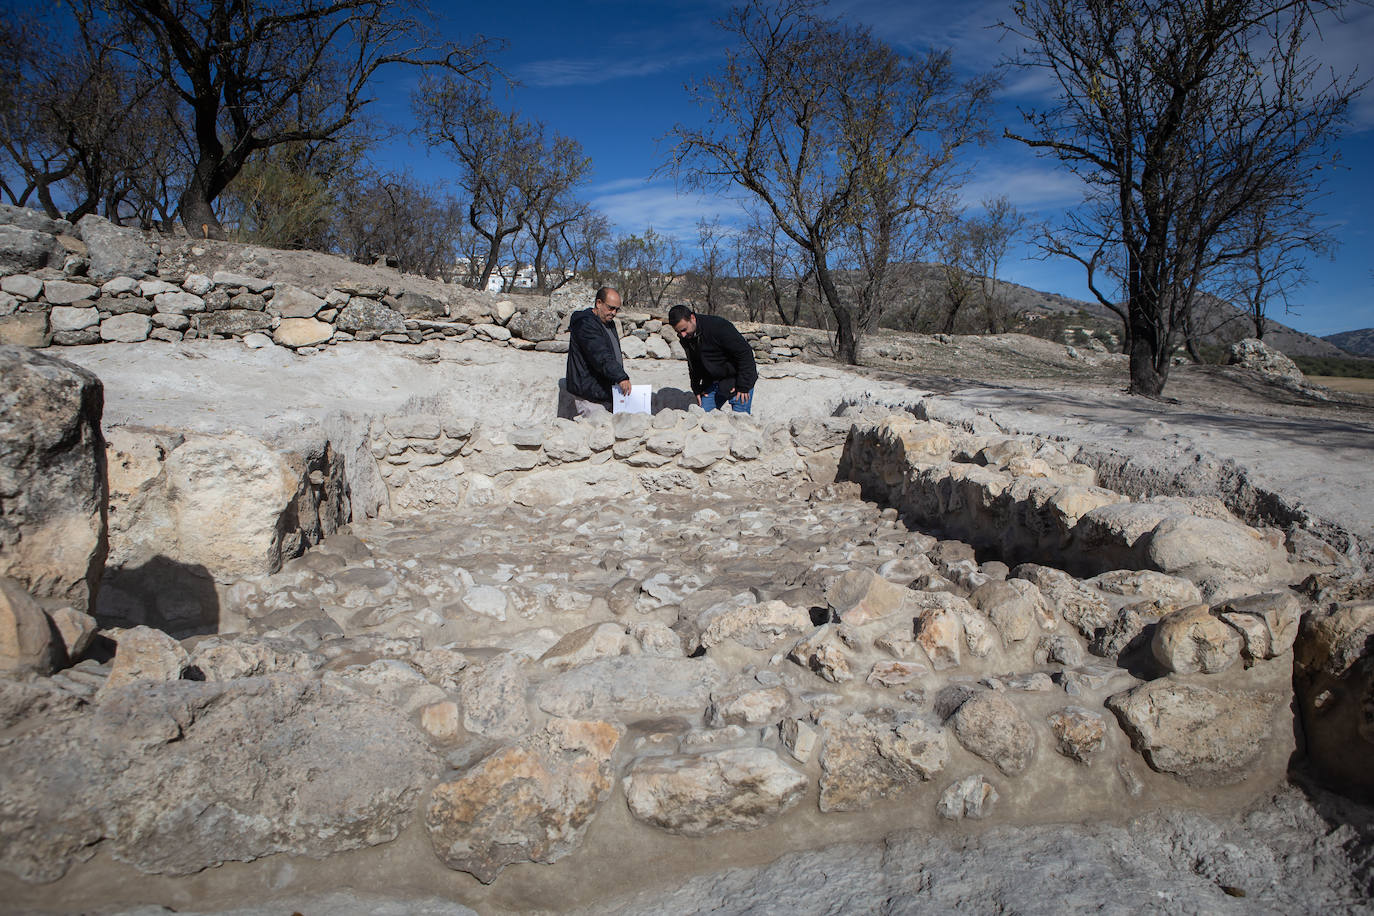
x,y
626,387
743,397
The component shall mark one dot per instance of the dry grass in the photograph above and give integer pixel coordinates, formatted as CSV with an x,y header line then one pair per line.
x,y
1340,383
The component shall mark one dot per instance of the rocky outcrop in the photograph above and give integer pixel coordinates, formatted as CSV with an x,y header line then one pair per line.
x,y
1259,357
181,777
1334,681
52,478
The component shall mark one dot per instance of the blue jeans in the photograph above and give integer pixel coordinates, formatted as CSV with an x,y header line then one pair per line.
x,y
708,401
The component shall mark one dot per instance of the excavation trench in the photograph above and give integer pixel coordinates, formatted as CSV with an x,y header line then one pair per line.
x,y
608,658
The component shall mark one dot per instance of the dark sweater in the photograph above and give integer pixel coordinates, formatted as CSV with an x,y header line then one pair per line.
x,y
594,361
719,354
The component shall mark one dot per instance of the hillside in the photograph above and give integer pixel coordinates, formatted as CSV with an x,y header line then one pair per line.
x,y
1221,322
1358,343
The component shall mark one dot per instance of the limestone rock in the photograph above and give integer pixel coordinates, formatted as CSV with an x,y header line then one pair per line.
x,y
630,687
527,802
1268,622
1167,593
302,332
597,640
861,596
184,776
178,302
25,637
1014,606
75,629
895,673
441,720
29,329
232,323
993,728
27,249
363,314
223,658
67,293
823,653
940,631
537,323
1079,733
1258,356
754,705
868,758
1192,640
293,302
52,481
145,654
413,304
115,251
971,797
702,794
494,698
1198,548
758,625
127,328
1078,604
1203,736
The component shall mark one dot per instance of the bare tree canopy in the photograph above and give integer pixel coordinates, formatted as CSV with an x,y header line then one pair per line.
x,y
517,177
1188,122
848,144
254,74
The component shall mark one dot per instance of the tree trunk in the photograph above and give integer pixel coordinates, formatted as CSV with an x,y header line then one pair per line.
x,y
197,215
846,328
1148,371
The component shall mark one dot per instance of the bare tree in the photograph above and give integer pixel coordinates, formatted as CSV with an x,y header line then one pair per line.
x,y
833,132
649,264
394,215
711,258
256,74
585,247
1186,121
508,166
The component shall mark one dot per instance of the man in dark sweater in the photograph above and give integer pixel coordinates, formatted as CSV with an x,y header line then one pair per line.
x,y
594,360
720,360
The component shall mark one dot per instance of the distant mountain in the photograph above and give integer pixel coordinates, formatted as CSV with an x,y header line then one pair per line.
x,y
1360,343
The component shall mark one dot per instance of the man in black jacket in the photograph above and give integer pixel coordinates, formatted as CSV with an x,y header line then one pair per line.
x,y
720,360
594,360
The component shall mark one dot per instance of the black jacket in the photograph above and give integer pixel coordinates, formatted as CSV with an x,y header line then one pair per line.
x,y
594,362
720,354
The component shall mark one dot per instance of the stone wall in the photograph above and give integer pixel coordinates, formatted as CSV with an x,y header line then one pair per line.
x,y
431,461
1023,499
105,284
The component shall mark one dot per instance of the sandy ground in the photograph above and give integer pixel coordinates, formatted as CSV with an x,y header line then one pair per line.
x,y
1318,449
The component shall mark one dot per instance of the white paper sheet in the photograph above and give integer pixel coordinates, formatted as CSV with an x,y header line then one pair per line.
x,y
639,400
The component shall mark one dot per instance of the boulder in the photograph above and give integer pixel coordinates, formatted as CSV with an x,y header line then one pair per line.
x,y
115,251
144,654
1205,548
597,640
526,802
702,794
871,757
363,314
1260,357
940,632
52,480
536,323
130,327
24,250
293,302
24,218
26,643
302,332
229,323
1203,736
823,653
65,292
1269,622
1192,640
414,304
992,727
175,778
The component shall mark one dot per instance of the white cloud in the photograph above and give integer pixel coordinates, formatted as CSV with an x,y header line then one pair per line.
x,y
580,71
1030,187
635,204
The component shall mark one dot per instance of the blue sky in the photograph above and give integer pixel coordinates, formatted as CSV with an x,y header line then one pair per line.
x,y
611,73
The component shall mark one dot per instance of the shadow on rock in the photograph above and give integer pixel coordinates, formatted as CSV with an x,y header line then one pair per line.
x,y
178,598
